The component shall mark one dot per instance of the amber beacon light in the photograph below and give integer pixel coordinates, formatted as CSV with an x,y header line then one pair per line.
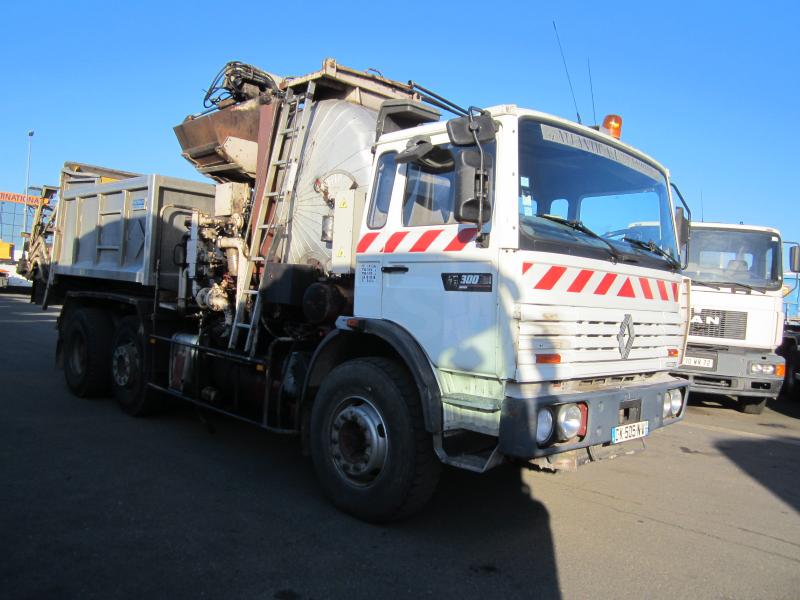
x,y
612,125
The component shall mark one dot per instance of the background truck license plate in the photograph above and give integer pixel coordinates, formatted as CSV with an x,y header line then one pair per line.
x,y
631,431
698,361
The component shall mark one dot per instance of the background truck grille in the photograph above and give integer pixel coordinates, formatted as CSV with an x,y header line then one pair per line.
x,y
731,324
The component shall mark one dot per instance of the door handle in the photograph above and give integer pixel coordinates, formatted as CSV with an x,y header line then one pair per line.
x,y
395,269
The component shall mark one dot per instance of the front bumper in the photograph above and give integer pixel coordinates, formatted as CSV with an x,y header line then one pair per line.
x,y
606,410
731,375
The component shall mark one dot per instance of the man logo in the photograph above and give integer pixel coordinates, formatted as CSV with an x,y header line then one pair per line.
x,y
625,336
707,320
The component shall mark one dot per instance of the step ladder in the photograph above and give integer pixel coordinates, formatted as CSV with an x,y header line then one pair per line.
x,y
273,215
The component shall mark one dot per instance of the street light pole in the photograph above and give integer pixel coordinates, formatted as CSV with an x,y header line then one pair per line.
x,y
27,183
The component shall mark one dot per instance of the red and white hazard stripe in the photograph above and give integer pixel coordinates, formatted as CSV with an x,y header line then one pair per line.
x,y
415,240
574,280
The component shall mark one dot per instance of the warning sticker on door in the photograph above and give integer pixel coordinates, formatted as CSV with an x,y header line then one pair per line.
x,y
368,273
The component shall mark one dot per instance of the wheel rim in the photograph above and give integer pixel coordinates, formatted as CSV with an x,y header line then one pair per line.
x,y
77,354
359,442
125,364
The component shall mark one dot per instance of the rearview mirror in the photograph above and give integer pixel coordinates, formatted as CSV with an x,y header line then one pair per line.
x,y
794,259
461,134
420,151
467,181
682,224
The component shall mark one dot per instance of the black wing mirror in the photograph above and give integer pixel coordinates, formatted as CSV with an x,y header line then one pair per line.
x,y
433,159
468,182
462,133
794,259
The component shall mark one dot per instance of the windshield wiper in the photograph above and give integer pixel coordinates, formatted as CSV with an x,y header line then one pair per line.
x,y
578,226
731,284
705,283
651,246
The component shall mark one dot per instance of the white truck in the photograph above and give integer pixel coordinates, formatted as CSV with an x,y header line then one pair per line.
x,y
396,290
737,317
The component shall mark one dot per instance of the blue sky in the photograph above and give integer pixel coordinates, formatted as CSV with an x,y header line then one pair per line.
x,y
710,89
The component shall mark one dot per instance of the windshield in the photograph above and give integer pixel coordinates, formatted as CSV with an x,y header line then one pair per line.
x,y
750,258
621,198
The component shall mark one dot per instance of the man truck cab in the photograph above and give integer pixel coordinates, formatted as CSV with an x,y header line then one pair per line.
x,y
736,322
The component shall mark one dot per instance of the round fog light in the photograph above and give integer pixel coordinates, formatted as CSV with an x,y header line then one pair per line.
x,y
544,426
667,408
676,402
569,421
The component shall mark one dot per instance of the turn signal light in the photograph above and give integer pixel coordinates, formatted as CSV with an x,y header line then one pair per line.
x,y
780,370
548,359
672,352
612,125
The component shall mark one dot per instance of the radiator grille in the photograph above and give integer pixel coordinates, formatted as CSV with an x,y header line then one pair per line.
x,y
731,324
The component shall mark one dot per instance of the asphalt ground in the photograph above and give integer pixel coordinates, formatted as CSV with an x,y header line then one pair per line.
x,y
96,504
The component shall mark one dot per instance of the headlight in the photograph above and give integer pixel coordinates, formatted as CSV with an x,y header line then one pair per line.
x,y
676,402
762,369
544,426
568,421
667,408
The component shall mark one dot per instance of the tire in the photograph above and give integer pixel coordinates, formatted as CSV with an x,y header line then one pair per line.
x,y
752,406
87,350
369,446
790,387
128,373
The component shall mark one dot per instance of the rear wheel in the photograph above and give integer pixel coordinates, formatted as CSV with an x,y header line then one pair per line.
x,y
370,449
752,406
128,379
86,350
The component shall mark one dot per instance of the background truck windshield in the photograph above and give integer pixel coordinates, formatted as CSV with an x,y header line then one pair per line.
x,y
577,178
750,258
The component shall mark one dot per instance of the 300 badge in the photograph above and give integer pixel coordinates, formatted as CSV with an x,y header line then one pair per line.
x,y
467,282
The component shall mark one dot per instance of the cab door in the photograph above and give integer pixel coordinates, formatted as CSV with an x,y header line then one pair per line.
x,y
436,280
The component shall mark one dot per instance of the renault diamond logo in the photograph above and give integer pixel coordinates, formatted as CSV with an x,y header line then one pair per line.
x,y
625,336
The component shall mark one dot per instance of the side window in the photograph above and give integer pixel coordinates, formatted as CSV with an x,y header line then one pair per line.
x,y
382,192
428,198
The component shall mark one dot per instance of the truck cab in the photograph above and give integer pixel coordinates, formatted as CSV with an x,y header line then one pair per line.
x,y
547,331
737,314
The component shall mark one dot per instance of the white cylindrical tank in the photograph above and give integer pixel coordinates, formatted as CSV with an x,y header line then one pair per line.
x,y
338,154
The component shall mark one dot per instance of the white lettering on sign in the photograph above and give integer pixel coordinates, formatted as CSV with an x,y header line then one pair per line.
x,y
368,273
139,204
568,138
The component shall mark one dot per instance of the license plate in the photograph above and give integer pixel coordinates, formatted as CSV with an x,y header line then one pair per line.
x,y
631,431
701,362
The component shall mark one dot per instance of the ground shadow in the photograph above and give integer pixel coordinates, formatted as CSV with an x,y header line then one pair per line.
x,y
771,462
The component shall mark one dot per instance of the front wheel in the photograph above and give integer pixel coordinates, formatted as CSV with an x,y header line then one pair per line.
x,y
370,449
752,406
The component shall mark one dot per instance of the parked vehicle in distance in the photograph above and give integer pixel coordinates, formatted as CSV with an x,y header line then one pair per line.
x,y
736,322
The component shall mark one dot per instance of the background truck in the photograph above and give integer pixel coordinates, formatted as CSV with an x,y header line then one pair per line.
x,y
737,318
396,290
790,348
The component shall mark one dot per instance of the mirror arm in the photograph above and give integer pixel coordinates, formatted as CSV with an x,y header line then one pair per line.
x,y
481,173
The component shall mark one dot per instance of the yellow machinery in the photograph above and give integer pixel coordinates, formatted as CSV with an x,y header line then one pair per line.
x,y
6,250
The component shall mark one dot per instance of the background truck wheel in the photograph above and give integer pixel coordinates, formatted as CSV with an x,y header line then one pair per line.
x,y
752,406
87,350
128,369
370,449
790,387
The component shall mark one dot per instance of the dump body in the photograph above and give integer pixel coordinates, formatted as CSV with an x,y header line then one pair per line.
x,y
119,231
